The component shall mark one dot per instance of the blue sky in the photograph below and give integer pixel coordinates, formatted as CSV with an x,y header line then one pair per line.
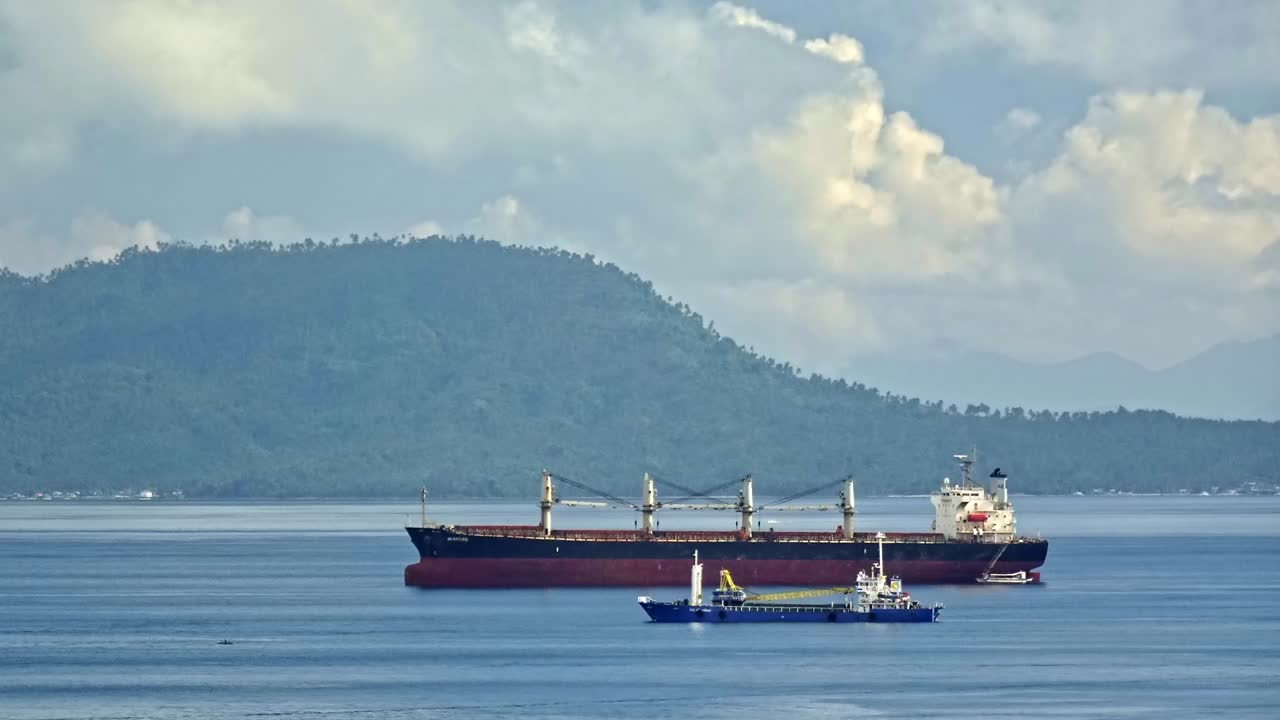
x,y
825,181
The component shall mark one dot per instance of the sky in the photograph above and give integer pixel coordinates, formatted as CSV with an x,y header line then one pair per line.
x,y
824,181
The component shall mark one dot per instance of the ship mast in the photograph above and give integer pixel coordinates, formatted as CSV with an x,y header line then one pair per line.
x,y
847,507
746,504
548,498
966,468
424,506
649,504
695,582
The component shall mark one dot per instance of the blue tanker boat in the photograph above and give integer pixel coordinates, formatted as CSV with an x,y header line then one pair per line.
x,y
874,598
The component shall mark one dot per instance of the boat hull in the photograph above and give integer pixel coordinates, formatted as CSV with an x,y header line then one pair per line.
x,y
466,558
665,612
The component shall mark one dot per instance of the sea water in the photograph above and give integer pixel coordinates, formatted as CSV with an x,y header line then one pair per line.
x,y
1152,607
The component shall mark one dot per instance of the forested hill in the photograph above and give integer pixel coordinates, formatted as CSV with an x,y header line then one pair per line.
x,y
376,367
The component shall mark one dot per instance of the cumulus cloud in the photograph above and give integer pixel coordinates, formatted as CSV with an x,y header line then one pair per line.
x,y
806,313
104,236
1022,118
93,235
504,217
744,167
1141,42
246,225
425,228
1179,180
1162,207
420,75
841,48
745,17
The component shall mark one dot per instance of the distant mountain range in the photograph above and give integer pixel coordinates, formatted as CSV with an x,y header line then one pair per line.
x,y
1234,380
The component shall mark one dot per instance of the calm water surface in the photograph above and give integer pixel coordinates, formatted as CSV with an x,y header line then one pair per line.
x,y
1154,607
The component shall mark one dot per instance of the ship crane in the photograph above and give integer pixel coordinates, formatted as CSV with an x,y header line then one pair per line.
x,y
649,504
747,507
731,590
585,503
847,504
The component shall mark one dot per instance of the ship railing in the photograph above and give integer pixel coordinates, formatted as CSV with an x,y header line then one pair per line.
x,y
790,608
533,531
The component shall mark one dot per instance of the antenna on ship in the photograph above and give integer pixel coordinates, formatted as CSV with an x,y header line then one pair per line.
x,y
966,468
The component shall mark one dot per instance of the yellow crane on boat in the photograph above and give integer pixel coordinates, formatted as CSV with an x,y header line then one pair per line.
x,y
729,588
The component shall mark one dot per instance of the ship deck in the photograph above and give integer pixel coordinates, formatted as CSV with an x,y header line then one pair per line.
x,y
533,532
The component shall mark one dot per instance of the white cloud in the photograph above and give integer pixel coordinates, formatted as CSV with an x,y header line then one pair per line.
x,y
1156,215
865,196
823,319
245,225
25,252
93,235
425,228
1179,180
533,29
419,75
1141,42
198,63
505,219
104,236
743,167
841,48
1022,118
745,17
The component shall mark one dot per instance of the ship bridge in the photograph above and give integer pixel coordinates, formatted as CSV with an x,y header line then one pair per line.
x,y
969,510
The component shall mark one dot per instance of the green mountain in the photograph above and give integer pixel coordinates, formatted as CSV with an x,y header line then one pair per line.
x,y
375,367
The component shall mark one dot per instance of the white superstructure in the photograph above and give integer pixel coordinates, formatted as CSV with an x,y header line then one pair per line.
x,y
968,510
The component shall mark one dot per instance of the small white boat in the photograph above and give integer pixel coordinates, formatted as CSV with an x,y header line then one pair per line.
x,y
1018,578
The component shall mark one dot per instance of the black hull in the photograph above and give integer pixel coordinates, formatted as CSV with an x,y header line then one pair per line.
x,y
521,557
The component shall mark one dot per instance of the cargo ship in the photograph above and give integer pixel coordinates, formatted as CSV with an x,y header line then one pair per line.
x,y
875,598
974,535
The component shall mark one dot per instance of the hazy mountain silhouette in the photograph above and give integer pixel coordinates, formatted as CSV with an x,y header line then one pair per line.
x,y
1235,380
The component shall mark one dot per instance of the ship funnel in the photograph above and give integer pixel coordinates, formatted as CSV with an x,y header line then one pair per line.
x,y
1000,486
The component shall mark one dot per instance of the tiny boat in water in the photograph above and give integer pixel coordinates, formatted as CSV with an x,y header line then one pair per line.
x,y
1018,578
874,598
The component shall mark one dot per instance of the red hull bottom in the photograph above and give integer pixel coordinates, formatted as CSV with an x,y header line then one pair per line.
x,y
558,572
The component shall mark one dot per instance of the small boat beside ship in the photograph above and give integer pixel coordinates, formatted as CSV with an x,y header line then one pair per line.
x,y
1018,578
875,597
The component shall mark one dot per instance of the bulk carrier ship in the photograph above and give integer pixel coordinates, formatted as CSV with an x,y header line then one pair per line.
x,y
974,535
